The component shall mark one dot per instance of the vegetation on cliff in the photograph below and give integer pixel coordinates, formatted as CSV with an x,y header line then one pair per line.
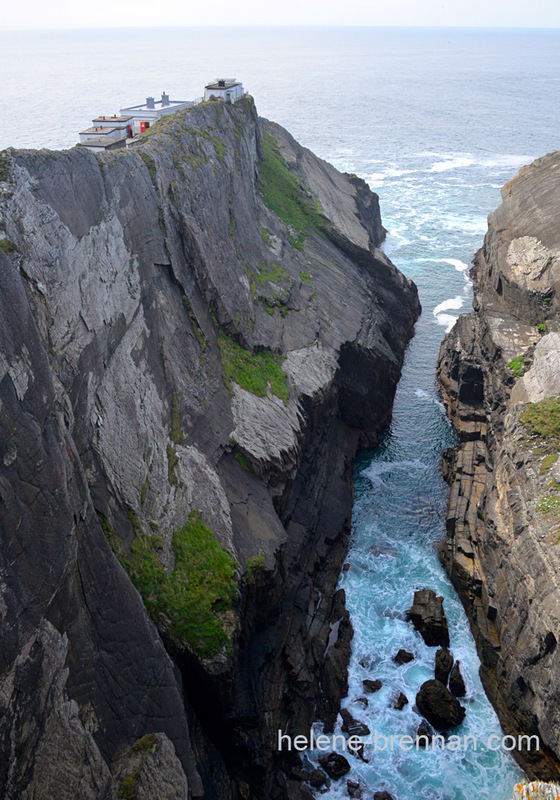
x,y
542,420
192,604
286,196
253,371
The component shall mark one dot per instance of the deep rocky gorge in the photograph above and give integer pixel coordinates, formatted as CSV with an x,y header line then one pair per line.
x,y
499,372
197,334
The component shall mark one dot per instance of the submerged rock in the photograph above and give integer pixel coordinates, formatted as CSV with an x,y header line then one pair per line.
x,y
428,617
403,657
442,710
424,734
353,726
400,702
354,789
370,686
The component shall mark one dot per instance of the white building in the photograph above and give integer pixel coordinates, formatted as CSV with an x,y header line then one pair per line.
x,y
107,133
149,112
227,89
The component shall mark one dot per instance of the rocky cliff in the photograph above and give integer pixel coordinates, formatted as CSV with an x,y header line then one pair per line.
x,y
197,333
499,371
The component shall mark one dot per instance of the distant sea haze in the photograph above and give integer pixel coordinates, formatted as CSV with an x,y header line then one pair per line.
x,y
436,121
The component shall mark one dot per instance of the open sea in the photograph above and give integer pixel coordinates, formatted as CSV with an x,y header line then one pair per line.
x,y
435,120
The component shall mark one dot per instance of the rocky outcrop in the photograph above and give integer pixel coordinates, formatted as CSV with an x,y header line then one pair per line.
x,y
502,524
435,702
197,334
428,617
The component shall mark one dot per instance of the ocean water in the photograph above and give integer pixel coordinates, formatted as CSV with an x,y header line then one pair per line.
x,y
436,121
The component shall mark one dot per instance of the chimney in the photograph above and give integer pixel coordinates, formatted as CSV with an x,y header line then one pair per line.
x,y
150,102
165,99
221,83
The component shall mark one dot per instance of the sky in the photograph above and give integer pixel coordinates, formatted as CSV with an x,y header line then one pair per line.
x,y
38,14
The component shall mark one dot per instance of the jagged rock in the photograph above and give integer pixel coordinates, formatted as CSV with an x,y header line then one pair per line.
x,y
428,617
354,789
423,732
403,657
439,706
456,682
317,779
353,726
141,269
335,765
383,796
370,686
150,769
400,702
299,774
444,664
499,551
363,701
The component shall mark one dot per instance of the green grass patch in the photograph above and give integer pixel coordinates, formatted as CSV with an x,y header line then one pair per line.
x,y
253,371
194,603
267,273
176,431
306,278
254,565
548,462
266,237
286,196
516,366
144,491
542,420
146,744
172,461
5,172
542,328
129,785
241,460
7,247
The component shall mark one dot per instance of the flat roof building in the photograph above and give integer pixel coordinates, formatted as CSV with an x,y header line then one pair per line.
x,y
227,89
149,112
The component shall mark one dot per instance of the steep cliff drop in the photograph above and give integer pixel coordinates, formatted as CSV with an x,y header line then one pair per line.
x,y
499,371
197,334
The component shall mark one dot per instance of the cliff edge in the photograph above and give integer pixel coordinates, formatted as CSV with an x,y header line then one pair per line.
x,y
197,334
499,372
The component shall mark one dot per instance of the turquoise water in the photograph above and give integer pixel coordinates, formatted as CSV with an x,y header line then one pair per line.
x,y
436,121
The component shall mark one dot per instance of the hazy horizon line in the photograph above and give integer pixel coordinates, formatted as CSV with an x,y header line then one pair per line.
x,y
284,26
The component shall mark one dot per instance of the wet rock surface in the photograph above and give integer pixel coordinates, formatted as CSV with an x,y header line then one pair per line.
x,y
127,272
335,765
444,665
439,706
500,552
428,617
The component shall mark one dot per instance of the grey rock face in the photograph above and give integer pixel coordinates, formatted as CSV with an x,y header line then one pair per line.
x,y
500,551
136,265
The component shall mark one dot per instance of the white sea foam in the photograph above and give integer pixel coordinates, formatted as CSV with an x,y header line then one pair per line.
x,y
447,320
456,162
453,303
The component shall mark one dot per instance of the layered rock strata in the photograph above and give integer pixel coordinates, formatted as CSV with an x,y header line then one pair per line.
x,y
502,550
197,334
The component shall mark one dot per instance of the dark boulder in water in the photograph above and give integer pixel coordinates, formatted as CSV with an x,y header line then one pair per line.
x,y
403,657
456,682
444,663
334,765
439,706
